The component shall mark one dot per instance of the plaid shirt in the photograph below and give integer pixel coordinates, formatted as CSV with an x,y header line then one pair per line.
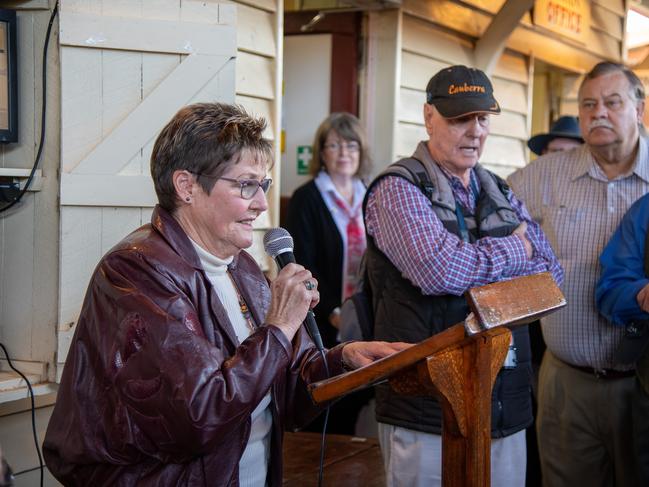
x,y
579,209
401,220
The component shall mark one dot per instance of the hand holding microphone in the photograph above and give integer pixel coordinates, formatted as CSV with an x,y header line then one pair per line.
x,y
290,299
294,291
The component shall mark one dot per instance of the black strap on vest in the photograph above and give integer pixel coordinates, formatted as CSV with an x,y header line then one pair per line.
x,y
464,231
418,173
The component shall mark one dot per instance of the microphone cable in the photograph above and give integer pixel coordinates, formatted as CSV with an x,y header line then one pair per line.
x,y
278,244
323,440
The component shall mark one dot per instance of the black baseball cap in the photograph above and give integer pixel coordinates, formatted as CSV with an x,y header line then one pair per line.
x,y
460,90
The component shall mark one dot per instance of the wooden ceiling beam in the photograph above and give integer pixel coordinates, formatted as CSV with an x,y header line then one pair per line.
x,y
492,43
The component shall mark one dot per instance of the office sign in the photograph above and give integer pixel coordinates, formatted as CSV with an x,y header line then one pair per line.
x,y
569,18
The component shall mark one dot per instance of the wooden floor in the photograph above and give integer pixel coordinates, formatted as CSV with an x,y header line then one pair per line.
x,y
349,461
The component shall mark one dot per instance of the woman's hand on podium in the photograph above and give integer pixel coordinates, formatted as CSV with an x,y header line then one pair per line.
x,y
359,354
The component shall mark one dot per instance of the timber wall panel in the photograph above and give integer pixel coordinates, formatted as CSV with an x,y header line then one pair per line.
x,y
28,232
256,31
255,76
569,104
257,68
511,95
425,50
471,18
607,21
261,108
505,151
116,82
417,39
615,6
381,82
606,16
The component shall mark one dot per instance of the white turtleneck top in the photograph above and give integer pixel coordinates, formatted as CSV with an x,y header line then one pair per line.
x,y
253,465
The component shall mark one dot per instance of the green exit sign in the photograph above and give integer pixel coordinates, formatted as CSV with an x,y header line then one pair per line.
x,y
304,155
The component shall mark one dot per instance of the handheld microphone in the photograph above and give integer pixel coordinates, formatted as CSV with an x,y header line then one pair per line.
x,y
278,243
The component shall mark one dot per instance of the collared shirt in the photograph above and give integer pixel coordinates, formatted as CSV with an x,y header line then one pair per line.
x,y
326,187
466,196
579,209
329,193
405,228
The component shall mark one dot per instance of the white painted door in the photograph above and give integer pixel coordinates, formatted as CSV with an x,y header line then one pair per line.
x,y
307,82
126,67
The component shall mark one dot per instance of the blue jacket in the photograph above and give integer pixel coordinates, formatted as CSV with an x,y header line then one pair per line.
x,y
622,261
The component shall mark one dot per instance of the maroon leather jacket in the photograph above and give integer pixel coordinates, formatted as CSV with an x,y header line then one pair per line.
x,y
155,390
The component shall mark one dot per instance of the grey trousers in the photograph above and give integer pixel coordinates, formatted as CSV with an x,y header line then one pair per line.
x,y
584,428
640,406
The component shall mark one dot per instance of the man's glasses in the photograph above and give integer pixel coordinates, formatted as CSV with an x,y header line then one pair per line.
x,y
351,146
249,187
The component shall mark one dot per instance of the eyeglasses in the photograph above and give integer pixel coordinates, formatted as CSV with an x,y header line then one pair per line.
x,y
249,187
351,146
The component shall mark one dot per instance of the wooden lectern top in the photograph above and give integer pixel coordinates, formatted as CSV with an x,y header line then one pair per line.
x,y
514,302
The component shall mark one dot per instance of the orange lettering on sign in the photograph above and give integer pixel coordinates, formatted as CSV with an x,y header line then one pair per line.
x,y
563,17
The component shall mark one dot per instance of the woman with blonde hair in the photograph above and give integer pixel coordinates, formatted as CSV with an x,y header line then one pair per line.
x,y
325,218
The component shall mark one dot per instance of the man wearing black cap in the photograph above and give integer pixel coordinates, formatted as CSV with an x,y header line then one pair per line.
x,y
438,224
563,135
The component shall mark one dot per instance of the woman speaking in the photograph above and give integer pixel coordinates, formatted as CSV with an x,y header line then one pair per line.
x,y
186,365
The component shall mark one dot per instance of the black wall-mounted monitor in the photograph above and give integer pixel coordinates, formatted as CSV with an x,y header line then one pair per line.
x,y
8,77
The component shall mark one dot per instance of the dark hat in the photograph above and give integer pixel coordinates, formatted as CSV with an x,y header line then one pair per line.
x,y
566,127
459,90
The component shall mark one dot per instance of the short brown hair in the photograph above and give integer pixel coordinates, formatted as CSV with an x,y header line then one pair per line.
x,y
207,139
607,67
349,127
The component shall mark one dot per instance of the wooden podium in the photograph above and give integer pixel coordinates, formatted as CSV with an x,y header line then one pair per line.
x,y
459,367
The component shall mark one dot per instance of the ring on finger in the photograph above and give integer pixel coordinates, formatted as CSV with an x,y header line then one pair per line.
x,y
309,285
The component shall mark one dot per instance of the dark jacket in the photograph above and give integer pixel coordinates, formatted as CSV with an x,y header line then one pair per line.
x,y
319,248
156,390
403,313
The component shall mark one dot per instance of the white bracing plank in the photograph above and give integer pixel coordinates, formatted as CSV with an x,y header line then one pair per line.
x,y
107,190
133,34
80,252
119,147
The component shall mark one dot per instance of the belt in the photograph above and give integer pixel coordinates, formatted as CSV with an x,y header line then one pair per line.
x,y
605,373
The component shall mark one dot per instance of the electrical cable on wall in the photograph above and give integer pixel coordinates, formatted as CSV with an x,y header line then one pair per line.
x,y
33,409
43,111
14,202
